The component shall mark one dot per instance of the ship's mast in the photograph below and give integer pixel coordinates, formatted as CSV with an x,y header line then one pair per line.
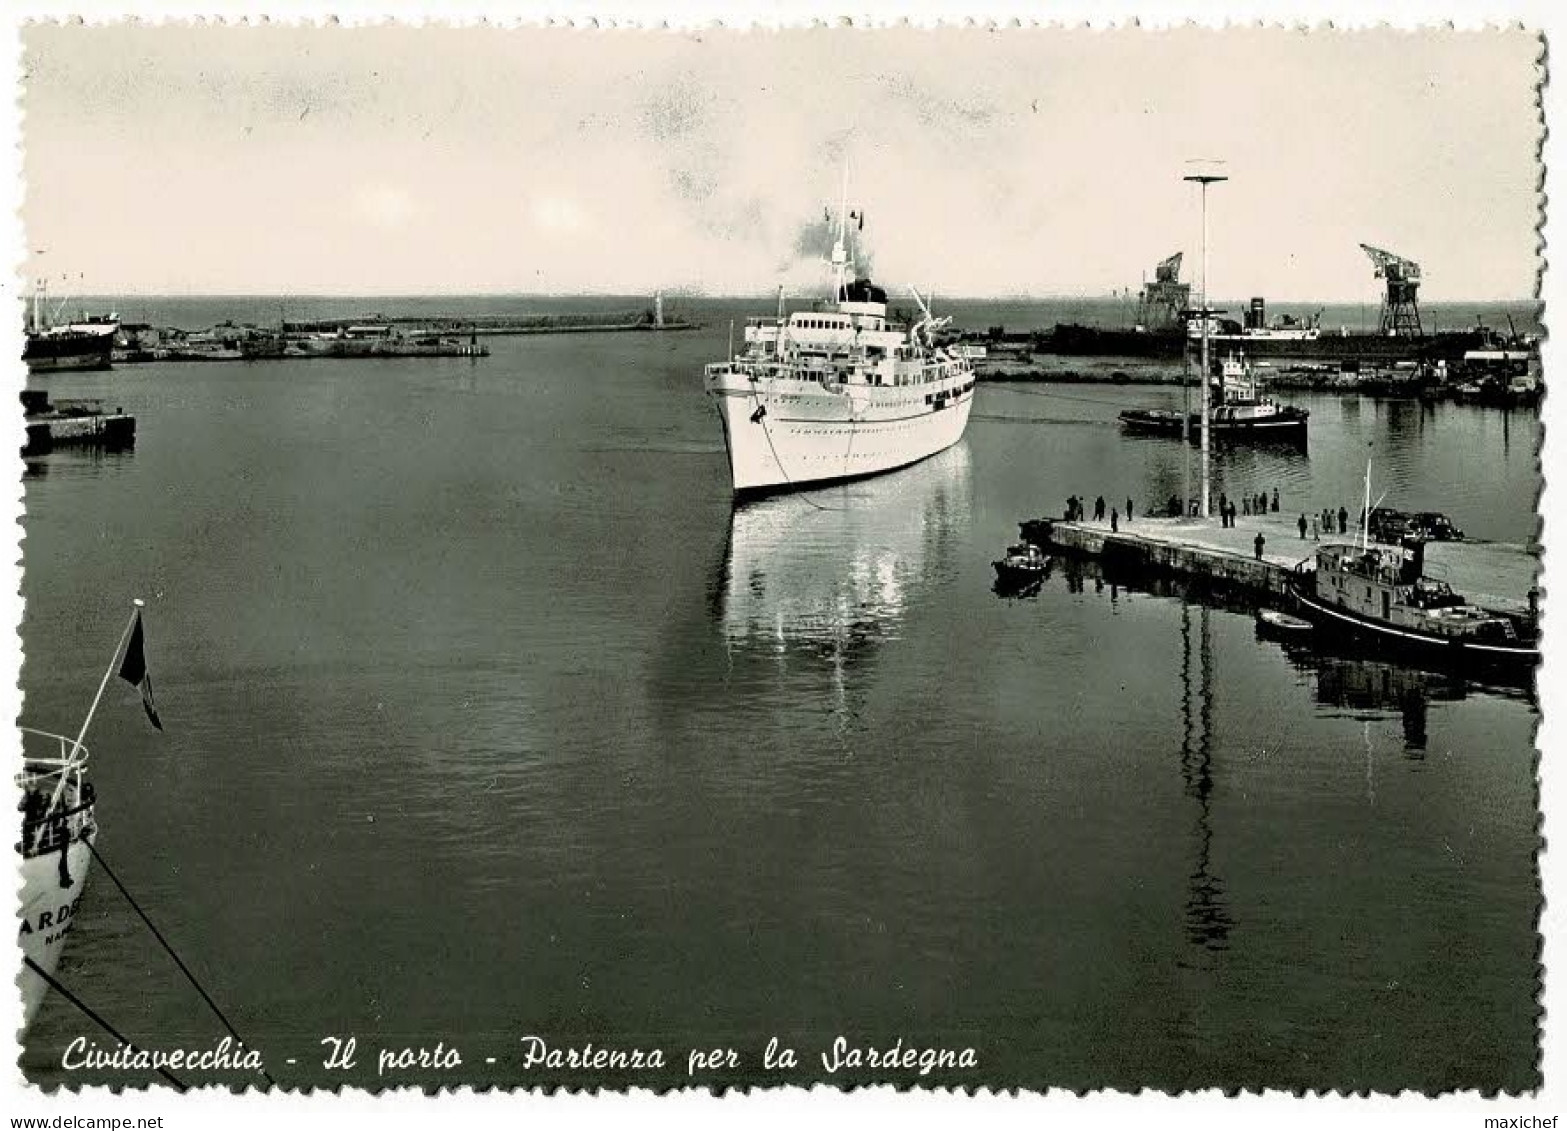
x,y
1365,513
840,254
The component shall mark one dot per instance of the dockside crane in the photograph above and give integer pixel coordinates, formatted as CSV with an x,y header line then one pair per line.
x,y
1400,305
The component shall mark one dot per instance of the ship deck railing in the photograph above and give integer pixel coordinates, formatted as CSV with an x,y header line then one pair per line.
x,y
772,370
66,815
822,370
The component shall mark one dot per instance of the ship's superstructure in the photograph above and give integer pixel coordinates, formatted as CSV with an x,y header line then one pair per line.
x,y
838,392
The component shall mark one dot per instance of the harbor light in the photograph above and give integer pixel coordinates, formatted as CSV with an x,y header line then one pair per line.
x,y
1205,172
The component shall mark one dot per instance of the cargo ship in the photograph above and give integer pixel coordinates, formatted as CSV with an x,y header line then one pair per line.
x,y
1167,327
51,347
1284,340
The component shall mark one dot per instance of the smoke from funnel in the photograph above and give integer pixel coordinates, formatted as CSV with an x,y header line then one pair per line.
x,y
813,242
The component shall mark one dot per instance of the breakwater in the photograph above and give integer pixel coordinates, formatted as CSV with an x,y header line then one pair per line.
x,y
564,323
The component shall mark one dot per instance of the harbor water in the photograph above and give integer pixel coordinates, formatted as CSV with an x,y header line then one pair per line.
x,y
487,714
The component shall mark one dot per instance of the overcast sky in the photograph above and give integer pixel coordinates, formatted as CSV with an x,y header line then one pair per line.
x,y
411,161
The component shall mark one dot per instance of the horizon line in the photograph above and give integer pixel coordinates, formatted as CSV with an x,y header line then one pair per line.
x,y
770,294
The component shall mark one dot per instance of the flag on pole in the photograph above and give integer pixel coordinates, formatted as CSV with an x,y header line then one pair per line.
x,y
133,670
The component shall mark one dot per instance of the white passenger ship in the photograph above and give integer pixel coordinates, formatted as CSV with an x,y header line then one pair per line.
x,y
838,393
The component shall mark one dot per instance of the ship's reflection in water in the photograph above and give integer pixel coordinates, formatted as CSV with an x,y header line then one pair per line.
x,y
1377,689
1343,680
1340,683
830,572
813,584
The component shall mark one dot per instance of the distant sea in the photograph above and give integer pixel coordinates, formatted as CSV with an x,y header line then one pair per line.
x,y
197,313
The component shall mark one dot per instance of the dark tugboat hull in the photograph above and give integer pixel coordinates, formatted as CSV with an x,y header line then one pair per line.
x,y
1515,660
1288,425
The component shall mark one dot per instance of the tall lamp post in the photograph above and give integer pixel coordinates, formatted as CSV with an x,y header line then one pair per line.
x,y
1205,179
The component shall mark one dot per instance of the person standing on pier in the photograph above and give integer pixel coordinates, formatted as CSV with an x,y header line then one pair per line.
x,y
1246,502
1099,509
1129,510
1224,503
1302,525
1258,544
1275,500
1115,521
1316,528
1343,521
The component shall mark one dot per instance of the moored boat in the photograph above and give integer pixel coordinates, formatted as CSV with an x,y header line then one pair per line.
x,y
59,827
1023,563
1272,620
1380,595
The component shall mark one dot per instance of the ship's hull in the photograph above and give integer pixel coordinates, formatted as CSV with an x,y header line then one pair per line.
x,y
795,434
1092,341
47,914
52,352
91,355
1516,661
1344,347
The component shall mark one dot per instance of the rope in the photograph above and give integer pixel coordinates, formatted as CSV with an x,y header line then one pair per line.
x,y
1013,388
104,1025
104,864
768,436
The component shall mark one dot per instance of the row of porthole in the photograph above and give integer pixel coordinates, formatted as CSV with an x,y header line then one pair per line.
x,y
902,426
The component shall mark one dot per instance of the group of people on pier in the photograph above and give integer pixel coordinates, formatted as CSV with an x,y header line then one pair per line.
x,y
1323,522
1076,511
1250,505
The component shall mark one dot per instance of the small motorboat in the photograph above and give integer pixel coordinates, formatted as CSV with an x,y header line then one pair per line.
x,y
1025,562
1276,621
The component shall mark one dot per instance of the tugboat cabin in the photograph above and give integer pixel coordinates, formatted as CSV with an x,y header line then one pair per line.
x,y
1385,585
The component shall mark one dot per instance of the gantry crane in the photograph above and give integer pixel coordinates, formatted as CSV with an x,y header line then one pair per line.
x,y
1400,307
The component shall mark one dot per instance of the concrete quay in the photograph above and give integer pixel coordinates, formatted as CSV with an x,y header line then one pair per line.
x,y
112,431
1495,575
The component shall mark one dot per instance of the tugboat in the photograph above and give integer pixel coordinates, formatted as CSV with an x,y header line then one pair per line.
x,y
1379,593
1024,564
838,392
1240,412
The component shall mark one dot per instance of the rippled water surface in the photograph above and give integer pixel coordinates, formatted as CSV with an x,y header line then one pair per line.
x,y
487,714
